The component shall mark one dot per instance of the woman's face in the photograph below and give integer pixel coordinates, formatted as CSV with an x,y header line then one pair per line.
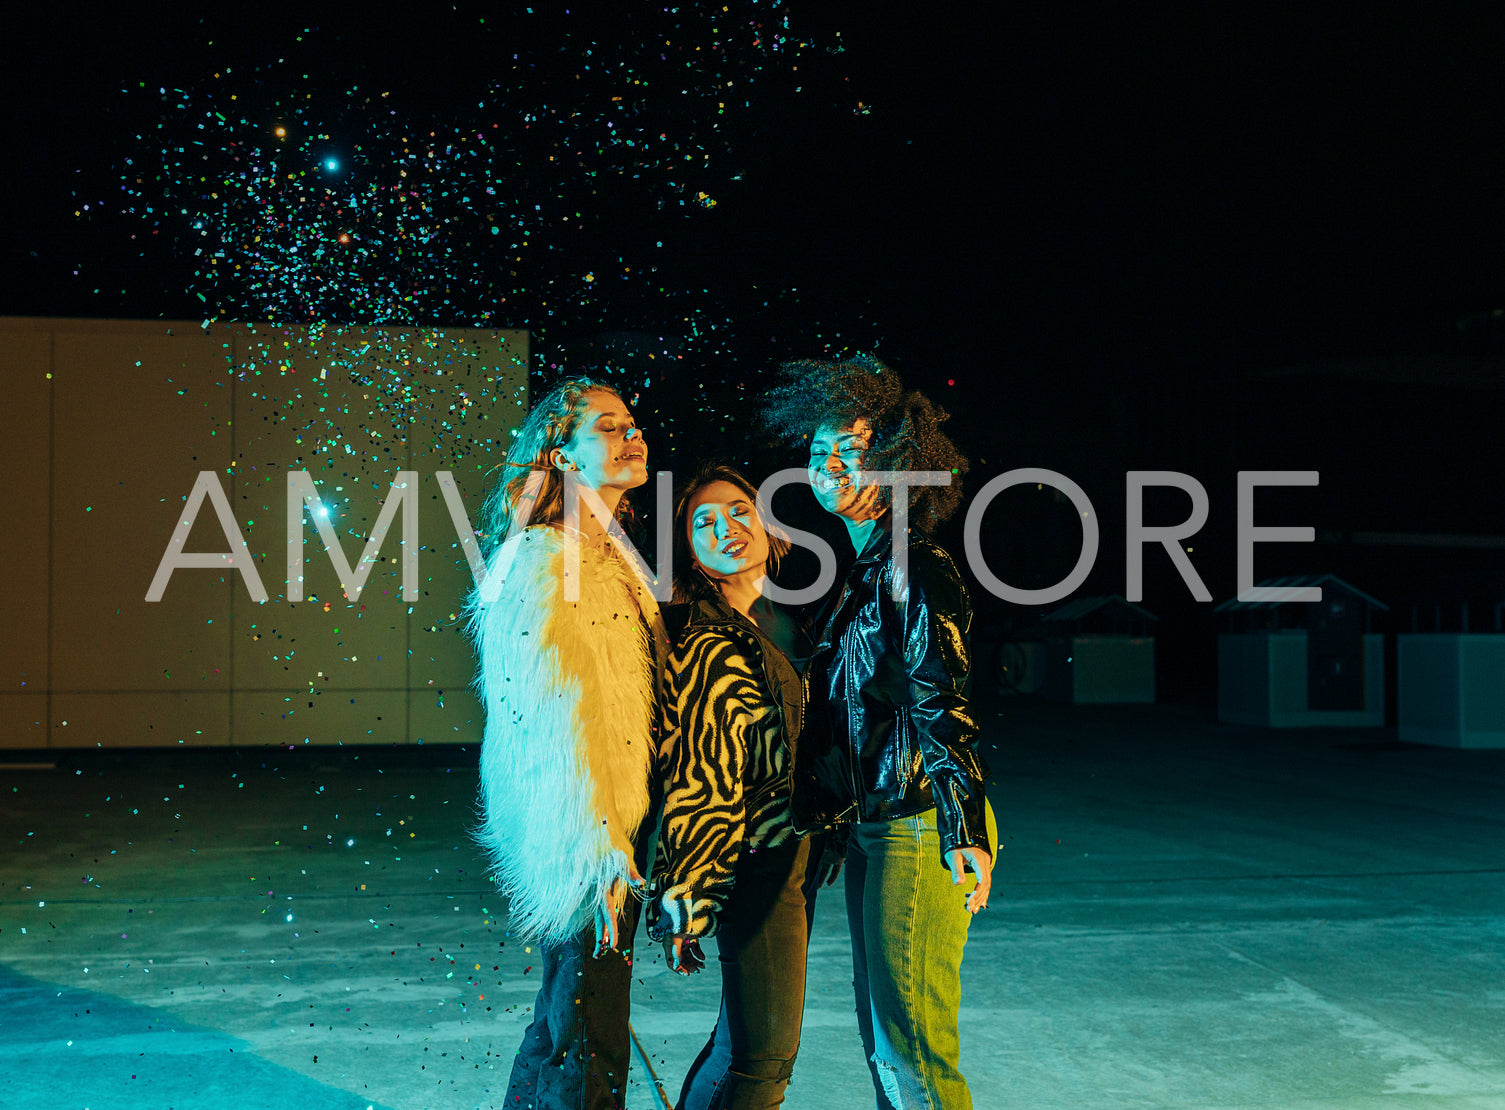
x,y
725,533
836,474
607,450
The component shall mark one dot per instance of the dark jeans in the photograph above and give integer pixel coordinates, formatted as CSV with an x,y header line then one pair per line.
x,y
575,1054
762,940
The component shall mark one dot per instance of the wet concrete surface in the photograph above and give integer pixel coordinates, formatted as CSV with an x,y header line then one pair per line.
x,y
1186,915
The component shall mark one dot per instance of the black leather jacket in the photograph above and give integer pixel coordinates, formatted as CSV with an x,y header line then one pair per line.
x,y
888,731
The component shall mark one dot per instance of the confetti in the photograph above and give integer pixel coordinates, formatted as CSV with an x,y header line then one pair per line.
x,y
563,197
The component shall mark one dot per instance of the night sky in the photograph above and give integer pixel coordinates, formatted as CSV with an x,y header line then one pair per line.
x,y
1107,238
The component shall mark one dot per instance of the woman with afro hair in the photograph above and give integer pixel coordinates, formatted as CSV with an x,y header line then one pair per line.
x,y
889,749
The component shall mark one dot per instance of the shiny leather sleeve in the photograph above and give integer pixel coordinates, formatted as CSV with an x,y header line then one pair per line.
x,y
937,625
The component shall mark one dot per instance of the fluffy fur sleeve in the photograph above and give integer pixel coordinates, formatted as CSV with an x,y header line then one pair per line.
x,y
569,694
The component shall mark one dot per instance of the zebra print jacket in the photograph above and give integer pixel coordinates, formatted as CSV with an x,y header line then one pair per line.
x,y
732,713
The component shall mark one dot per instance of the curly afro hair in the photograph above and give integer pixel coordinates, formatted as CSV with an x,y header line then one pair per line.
x,y
906,424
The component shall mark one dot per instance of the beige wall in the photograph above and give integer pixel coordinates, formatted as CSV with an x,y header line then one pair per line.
x,y
104,429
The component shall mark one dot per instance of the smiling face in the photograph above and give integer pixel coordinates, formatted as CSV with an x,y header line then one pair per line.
x,y
726,536
836,474
607,450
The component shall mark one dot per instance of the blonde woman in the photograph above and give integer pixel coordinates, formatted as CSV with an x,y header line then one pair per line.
x,y
569,640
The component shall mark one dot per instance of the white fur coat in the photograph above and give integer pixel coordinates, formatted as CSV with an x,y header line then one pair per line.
x,y
569,694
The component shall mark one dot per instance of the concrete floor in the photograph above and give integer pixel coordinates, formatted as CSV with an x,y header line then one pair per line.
x,y
1188,915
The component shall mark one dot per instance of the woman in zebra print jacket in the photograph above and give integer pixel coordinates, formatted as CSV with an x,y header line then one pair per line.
x,y
731,863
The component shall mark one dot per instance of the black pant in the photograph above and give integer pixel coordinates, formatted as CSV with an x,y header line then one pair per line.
x,y
575,1054
762,940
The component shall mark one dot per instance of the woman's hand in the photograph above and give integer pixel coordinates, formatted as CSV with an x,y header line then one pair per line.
x,y
609,911
828,868
683,954
982,864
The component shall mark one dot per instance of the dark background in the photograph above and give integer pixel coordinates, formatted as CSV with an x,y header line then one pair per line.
x,y
1107,238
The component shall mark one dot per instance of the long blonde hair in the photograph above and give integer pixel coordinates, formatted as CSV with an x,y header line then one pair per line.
x,y
528,473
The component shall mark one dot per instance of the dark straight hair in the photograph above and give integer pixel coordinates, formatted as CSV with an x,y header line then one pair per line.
x,y
691,583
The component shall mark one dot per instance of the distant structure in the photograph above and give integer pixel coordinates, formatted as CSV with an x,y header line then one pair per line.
x,y
1303,665
1452,688
1099,650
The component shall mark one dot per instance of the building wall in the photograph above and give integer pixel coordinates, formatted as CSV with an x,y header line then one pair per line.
x,y
1262,681
1113,669
107,426
1452,690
